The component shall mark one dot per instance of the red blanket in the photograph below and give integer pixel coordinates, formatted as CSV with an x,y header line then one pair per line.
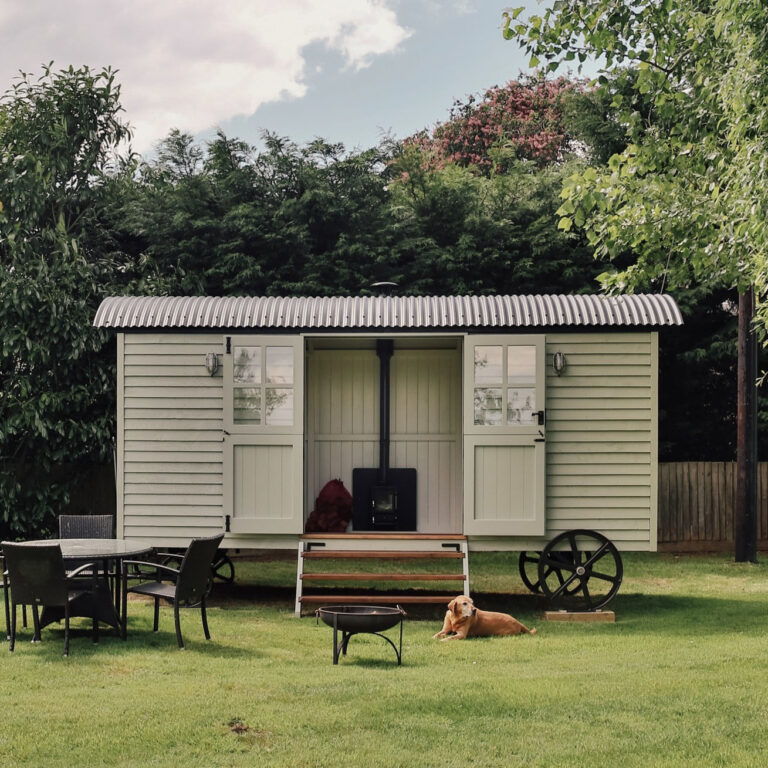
x,y
333,509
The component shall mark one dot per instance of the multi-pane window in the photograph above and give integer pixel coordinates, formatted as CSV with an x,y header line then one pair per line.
x,y
504,385
263,385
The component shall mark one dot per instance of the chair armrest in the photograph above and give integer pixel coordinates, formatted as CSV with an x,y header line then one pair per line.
x,y
80,569
176,555
174,572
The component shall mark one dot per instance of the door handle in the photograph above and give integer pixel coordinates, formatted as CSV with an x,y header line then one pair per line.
x,y
541,417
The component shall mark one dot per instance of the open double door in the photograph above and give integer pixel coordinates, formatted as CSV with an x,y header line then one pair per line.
x,y
503,433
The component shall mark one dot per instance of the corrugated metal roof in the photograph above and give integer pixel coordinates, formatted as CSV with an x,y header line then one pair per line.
x,y
392,312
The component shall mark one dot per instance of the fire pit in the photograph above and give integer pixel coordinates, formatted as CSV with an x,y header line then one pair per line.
x,y
361,619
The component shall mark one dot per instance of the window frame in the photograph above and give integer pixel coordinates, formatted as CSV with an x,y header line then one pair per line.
x,y
539,385
296,343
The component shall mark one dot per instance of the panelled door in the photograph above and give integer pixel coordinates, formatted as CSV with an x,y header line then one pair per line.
x,y
504,435
264,433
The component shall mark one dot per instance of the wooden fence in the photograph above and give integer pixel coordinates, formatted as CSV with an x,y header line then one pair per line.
x,y
696,504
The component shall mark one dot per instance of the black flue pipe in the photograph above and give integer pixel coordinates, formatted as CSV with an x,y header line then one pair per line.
x,y
384,350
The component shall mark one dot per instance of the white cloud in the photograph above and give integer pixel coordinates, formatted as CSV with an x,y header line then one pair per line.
x,y
192,64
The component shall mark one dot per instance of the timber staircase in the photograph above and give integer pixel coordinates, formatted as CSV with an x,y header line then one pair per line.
x,y
370,548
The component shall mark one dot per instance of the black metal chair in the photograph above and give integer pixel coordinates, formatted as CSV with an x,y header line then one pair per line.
x,y
86,527
38,578
189,583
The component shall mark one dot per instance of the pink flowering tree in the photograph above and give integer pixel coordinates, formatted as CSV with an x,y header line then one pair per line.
x,y
522,120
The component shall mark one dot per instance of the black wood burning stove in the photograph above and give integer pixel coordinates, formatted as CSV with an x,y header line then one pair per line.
x,y
384,499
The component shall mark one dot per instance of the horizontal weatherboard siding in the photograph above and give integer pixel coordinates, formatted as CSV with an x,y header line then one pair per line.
x,y
172,422
601,435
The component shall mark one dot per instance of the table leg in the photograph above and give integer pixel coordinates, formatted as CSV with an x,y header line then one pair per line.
x,y
124,600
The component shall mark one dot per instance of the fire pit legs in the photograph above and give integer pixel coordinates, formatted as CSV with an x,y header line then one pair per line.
x,y
334,618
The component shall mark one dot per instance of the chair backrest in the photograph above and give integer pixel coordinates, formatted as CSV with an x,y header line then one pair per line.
x,y
86,527
36,573
195,569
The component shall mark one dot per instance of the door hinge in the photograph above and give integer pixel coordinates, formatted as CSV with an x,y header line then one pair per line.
x,y
229,345
226,523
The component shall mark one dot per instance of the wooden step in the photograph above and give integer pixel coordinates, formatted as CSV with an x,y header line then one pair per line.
x,y
394,536
375,599
327,554
383,576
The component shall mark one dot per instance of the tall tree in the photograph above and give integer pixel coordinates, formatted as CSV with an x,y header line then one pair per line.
x,y
58,136
227,219
687,194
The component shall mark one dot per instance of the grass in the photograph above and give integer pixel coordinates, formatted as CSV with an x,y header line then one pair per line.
x,y
679,680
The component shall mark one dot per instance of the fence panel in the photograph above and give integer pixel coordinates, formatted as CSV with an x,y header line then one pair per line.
x,y
696,505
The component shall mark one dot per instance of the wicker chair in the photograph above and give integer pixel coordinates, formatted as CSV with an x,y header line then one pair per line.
x,y
189,583
38,578
6,601
86,527
91,527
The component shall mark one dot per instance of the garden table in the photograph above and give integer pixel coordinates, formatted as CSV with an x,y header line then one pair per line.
x,y
105,605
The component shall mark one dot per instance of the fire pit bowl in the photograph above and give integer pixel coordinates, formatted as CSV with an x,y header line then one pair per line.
x,y
359,619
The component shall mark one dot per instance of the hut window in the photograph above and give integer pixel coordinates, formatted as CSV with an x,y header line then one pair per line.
x,y
263,385
504,385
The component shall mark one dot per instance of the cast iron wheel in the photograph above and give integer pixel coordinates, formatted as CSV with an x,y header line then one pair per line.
x,y
580,571
223,568
528,565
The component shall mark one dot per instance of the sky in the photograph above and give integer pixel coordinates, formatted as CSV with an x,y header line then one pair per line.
x,y
348,71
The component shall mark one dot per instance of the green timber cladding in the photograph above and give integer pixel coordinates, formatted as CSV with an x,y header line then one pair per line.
x,y
601,413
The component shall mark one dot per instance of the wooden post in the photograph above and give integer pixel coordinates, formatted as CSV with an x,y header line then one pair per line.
x,y
745,514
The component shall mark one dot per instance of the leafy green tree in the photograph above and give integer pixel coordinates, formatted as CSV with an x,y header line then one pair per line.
x,y
679,205
58,136
459,231
287,220
688,194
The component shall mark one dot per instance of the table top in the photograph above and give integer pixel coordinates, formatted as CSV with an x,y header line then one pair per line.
x,y
83,549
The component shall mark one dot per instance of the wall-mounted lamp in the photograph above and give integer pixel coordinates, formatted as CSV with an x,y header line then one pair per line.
x,y
558,362
211,363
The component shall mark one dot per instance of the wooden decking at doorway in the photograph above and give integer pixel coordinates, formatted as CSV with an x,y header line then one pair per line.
x,y
370,550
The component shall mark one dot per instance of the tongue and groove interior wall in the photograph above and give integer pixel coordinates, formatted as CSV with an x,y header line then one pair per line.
x,y
343,422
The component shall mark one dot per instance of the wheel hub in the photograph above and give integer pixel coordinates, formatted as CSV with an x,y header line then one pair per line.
x,y
581,570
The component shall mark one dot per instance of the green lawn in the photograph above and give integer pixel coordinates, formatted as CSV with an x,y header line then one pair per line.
x,y
679,680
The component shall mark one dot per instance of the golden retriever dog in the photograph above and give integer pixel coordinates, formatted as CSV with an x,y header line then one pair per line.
x,y
463,620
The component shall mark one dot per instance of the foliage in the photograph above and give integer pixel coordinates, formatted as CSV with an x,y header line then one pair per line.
x,y
458,232
230,220
525,118
57,138
687,195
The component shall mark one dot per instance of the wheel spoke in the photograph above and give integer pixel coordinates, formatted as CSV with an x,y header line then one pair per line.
x,y
574,547
585,590
564,586
604,577
598,555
